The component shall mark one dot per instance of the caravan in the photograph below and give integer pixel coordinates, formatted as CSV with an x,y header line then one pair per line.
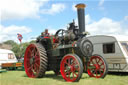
x,y
7,56
114,49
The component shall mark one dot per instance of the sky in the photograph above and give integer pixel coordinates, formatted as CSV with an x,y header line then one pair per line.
x,y
31,17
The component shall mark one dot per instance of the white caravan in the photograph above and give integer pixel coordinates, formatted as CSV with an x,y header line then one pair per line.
x,y
114,48
7,56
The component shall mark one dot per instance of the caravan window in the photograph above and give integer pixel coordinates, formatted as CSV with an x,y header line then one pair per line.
x,y
10,56
109,48
125,46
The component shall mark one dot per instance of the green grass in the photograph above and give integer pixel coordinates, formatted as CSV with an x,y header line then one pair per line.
x,y
20,78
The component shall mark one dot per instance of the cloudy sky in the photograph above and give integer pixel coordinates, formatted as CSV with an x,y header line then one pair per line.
x,y
31,17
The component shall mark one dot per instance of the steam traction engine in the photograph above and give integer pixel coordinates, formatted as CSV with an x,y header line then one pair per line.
x,y
67,52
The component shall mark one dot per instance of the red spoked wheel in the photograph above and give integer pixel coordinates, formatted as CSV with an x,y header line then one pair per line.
x,y
71,68
97,67
35,60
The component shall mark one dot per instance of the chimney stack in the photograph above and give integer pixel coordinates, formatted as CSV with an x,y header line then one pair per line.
x,y
81,17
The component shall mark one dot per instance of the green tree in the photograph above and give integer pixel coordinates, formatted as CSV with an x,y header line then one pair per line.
x,y
10,42
33,41
18,49
23,48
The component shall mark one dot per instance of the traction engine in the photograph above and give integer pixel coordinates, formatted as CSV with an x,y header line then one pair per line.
x,y
68,52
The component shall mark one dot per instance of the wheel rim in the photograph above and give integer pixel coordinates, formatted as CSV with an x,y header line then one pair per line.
x,y
32,61
96,67
69,68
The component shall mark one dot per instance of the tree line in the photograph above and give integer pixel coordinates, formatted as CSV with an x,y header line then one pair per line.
x,y
18,49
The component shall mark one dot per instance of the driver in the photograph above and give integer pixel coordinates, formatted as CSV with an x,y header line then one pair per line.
x,y
45,34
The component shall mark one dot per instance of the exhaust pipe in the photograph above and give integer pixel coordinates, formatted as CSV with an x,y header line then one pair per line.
x,y
81,17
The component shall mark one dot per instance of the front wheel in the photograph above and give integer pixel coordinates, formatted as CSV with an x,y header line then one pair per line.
x,y
97,67
71,68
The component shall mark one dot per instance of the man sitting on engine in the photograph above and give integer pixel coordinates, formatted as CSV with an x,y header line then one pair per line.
x,y
45,34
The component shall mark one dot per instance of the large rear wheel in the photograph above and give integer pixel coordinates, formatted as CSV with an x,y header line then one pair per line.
x,y
71,68
97,67
35,60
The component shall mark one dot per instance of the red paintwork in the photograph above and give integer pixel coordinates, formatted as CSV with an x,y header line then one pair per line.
x,y
99,65
46,37
72,74
73,44
32,69
55,40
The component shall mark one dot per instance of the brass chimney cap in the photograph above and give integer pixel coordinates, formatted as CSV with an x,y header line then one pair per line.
x,y
80,6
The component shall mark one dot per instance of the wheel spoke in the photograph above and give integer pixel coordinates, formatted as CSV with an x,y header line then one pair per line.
x,y
100,72
94,71
100,66
30,53
73,70
101,69
95,60
31,67
36,52
68,72
36,64
36,55
92,62
65,68
32,74
77,69
67,63
36,68
98,61
75,73
73,63
69,75
37,59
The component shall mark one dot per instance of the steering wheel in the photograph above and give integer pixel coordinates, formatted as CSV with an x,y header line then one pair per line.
x,y
60,33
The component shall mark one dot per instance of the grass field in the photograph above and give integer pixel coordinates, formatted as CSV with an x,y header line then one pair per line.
x,y
19,78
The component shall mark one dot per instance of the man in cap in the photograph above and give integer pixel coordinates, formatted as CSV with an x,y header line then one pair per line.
x,y
45,34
